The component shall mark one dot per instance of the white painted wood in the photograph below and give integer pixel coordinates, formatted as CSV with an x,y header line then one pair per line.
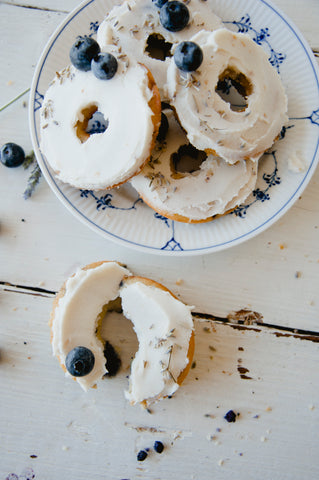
x,y
97,435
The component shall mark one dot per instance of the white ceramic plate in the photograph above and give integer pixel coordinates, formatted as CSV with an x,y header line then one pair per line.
x,y
121,216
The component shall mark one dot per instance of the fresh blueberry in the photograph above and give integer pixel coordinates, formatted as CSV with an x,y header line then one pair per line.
x,y
104,66
82,52
158,446
174,16
142,454
12,155
113,361
163,129
188,56
79,361
159,3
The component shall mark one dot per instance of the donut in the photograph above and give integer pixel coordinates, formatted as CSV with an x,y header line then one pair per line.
x,y
107,159
164,328
163,325
136,27
214,188
210,122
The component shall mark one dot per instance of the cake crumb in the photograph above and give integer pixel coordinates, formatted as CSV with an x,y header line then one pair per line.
x,y
179,281
311,407
268,409
65,448
263,439
221,462
298,274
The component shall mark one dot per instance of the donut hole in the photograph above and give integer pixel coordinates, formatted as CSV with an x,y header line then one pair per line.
x,y
186,160
157,47
119,339
234,88
91,121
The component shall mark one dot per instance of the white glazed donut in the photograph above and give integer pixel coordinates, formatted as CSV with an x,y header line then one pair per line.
x,y
130,104
214,188
163,325
135,23
209,121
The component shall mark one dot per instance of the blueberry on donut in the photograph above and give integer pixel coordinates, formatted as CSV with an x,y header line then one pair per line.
x,y
211,123
124,94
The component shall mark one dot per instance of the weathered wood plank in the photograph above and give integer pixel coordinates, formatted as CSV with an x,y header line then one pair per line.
x,y
269,379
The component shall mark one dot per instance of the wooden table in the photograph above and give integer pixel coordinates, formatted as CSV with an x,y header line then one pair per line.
x,y
257,326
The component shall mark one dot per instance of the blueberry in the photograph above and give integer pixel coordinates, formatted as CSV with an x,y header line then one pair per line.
x,y
12,155
158,446
113,361
188,56
163,129
230,416
82,52
174,16
104,66
79,361
142,454
159,3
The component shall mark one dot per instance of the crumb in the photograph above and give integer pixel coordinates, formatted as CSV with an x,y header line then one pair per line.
x,y
65,448
263,439
240,454
282,246
179,281
311,407
256,416
240,349
22,220
218,429
268,409
298,274
41,284
220,462
193,365
33,456
9,83
211,437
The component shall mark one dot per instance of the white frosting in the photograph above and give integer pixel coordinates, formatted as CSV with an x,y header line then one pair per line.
x,y
75,317
163,326
104,159
135,20
209,121
214,189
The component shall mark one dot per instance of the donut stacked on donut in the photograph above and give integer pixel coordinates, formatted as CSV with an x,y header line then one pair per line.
x,y
163,325
130,105
177,52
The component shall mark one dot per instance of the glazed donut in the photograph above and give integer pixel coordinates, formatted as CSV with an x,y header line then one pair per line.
x,y
209,121
163,325
212,189
130,104
135,26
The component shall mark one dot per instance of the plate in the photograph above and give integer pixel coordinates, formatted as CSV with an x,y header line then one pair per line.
x,y
121,216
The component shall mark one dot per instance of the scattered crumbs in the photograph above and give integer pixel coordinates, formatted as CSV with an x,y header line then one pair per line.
x,y
193,365
179,281
24,104
65,448
14,309
33,456
268,409
26,308
213,349
29,358
9,83
256,416
231,416
311,407
282,246
241,349
298,274
221,462
207,329
263,439
41,284
218,430
240,454
209,415
268,431
211,437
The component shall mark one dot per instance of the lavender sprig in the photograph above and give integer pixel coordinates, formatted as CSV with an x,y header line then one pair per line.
x,y
34,177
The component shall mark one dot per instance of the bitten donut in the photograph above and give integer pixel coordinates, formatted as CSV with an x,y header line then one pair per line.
x,y
210,122
163,325
212,189
130,105
136,27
